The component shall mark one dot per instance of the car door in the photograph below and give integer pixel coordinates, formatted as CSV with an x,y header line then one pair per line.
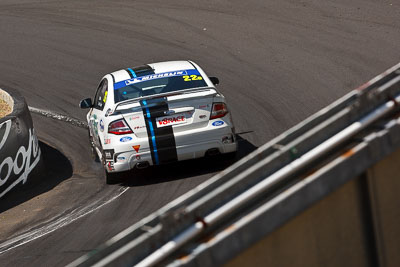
x,y
97,114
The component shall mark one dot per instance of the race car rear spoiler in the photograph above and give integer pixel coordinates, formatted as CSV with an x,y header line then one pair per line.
x,y
133,103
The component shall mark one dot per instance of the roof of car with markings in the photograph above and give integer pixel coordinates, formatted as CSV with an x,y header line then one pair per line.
x,y
160,67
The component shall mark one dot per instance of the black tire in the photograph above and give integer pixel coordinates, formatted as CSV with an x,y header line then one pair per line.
x,y
111,178
230,156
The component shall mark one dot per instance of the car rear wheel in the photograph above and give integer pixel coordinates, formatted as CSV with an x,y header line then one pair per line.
x,y
111,178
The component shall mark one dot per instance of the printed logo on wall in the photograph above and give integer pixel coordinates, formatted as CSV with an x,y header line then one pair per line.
x,y
22,163
218,123
4,131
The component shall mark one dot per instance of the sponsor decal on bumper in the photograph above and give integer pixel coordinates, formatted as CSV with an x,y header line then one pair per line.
x,y
218,123
125,139
170,120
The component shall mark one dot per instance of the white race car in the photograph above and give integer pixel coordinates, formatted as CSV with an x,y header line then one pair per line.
x,y
155,114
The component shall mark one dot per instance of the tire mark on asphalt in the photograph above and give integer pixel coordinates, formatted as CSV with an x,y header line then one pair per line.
x,y
58,116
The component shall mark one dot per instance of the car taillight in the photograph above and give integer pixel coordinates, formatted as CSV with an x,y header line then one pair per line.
x,y
119,127
218,110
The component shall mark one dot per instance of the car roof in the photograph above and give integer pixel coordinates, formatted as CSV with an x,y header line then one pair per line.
x,y
159,67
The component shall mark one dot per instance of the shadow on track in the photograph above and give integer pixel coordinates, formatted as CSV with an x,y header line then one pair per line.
x,y
184,169
53,169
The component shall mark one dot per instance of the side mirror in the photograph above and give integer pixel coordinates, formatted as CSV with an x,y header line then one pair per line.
x,y
214,80
86,103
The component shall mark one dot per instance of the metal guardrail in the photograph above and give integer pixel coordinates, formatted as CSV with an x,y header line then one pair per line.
x,y
262,175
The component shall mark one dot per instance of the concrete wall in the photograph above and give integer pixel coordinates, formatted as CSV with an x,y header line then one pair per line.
x,y
357,225
384,189
19,148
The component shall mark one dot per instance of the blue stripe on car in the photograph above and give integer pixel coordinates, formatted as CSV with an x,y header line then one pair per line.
x,y
153,137
132,72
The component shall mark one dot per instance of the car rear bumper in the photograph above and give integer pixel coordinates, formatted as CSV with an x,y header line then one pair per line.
x,y
197,150
189,145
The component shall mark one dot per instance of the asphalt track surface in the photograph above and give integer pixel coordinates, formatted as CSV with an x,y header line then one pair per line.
x,y
278,63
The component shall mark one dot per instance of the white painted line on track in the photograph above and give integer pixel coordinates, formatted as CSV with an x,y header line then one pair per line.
x,y
57,223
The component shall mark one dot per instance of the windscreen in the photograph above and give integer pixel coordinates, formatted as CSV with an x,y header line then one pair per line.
x,y
157,84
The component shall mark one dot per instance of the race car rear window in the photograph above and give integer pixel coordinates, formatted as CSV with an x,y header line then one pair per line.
x,y
157,83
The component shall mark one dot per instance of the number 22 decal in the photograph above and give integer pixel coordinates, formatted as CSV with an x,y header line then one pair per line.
x,y
188,78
